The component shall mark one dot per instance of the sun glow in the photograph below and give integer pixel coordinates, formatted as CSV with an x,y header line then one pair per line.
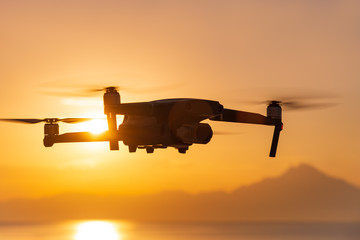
x,y
95,230
95,126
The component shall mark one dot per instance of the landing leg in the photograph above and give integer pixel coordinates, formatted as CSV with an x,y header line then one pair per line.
x,y
183,150
149,149
132,148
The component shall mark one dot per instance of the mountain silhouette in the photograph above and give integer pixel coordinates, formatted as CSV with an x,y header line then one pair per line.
x,y
302,193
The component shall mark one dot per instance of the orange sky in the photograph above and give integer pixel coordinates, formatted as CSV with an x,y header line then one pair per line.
x,y
230,51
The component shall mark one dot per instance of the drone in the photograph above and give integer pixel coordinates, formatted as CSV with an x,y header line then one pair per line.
x,y
176,123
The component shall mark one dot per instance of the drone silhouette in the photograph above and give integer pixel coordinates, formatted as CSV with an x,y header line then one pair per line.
x,y
162,123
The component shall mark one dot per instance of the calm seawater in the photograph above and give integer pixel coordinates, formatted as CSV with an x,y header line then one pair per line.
x,y
114,230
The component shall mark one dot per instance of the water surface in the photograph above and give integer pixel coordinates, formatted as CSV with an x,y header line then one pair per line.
x,y
116,230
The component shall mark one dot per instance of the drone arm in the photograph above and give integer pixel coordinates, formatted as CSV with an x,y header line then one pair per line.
x,y
140,109
49,140
229,115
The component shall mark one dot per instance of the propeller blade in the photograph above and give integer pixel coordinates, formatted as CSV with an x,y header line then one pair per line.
x,y
294,105
301,101
82,91
103,89
94,90
75,120
47,120
79,91
26,121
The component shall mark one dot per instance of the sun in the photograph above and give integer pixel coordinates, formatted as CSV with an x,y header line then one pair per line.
x,y
95,126
95,230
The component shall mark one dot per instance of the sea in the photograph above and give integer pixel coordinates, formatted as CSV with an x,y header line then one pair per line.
x,y
118,230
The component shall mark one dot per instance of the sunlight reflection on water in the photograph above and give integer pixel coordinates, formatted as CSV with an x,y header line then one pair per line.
x,y
94,230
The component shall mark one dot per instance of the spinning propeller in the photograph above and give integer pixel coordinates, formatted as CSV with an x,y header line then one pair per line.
x,y
81,91
46,120
301,102
93,90
300,105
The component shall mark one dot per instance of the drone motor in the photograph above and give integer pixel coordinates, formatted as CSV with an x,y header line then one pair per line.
x,y
51,129
111,97
274,110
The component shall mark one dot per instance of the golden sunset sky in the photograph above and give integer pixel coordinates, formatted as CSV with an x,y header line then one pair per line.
x,y
229,51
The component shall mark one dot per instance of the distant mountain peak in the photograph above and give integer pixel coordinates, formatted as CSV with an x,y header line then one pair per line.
x,y
302,193
306,176
296,178
304,170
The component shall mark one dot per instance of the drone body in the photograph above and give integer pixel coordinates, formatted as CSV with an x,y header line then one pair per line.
x,y
159,124
164,123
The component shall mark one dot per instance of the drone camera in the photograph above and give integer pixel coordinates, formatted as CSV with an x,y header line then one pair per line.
x,y
200,133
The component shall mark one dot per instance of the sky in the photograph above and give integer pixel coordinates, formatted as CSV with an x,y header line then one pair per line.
x,y
230,51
